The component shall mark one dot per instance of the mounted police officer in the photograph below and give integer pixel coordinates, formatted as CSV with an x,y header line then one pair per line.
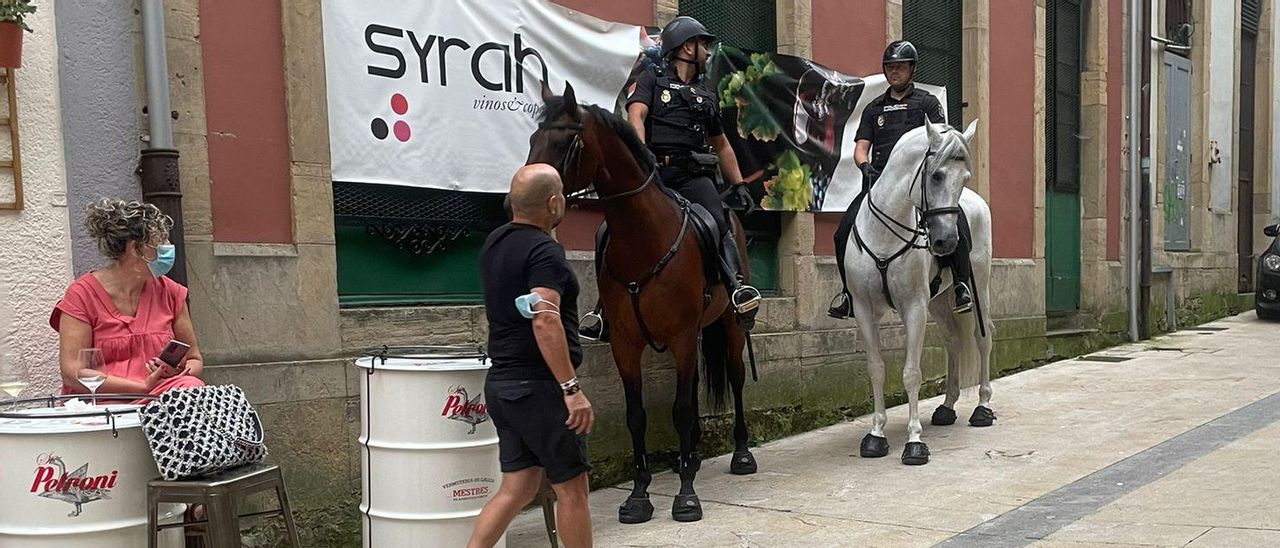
x,y
677,116
902,108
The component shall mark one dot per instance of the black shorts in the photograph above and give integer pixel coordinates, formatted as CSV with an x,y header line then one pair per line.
x,y
529,417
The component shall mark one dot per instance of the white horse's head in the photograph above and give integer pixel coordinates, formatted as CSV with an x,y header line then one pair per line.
x,y
942,178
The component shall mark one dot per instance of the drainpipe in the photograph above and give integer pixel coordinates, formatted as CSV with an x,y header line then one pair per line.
x,y
1135,179
1144,202
158,168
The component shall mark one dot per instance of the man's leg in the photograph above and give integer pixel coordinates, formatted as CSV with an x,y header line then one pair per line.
x,y
516,492
961,269
842,305
746,299
573,517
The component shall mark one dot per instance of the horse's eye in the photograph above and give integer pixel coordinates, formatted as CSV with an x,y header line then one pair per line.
x,y
937,176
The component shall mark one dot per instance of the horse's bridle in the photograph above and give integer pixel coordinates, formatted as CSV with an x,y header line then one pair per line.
x,y
924,212
573,156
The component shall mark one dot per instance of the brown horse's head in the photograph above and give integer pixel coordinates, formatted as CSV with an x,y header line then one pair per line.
x,y
577,139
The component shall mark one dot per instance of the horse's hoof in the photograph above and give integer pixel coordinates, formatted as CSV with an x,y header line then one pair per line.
x,y
943,416
686,508
743,463
982,416
915,453
874,447
635,510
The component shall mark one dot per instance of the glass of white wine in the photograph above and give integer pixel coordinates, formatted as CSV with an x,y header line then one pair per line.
x,y
91,374
11,382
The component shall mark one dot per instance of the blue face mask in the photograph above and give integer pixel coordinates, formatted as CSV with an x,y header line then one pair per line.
x,y
525,304
166,255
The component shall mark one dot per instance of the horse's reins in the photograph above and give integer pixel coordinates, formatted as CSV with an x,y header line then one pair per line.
x,y
573,155
570,159
924,213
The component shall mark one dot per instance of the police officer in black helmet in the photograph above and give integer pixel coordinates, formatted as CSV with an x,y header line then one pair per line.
x,y
885,120
678,117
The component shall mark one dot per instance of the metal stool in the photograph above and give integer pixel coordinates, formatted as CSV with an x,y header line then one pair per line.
x,y
221,494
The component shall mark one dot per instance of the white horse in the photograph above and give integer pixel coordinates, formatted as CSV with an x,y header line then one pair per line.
x,y
909,218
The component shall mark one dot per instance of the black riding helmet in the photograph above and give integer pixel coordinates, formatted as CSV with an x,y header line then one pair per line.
x,y
898,52
681,30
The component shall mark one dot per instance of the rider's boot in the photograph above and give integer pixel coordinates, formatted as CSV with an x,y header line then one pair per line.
x,y
593,327
964,299
841,306
744,298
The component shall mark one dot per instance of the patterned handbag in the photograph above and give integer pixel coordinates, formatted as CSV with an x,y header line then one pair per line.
x,y
196,432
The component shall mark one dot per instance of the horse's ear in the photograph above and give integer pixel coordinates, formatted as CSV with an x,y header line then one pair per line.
x,y
935,136
970,131
571,100
546,92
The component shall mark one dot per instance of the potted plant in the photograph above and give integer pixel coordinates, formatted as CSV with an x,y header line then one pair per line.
x,y
12,15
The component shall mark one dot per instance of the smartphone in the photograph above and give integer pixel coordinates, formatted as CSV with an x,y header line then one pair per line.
x,y
173,353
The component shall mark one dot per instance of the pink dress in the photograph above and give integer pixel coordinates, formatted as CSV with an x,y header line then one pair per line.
x,y
127,342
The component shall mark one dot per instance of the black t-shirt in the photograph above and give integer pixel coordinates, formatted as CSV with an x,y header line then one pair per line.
x,y
681,115
885,120
515,259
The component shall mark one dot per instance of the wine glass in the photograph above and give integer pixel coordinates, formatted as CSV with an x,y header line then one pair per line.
x,y
90,373
11,382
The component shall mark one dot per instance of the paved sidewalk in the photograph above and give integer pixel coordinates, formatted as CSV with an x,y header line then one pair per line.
x,y
1174,446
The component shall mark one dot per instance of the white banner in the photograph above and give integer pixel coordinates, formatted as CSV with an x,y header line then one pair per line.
x,y
445,93
847,180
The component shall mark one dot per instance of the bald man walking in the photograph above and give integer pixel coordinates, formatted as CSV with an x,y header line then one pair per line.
x,y
540,412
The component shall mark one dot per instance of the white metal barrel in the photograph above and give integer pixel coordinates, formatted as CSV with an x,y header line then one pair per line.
x,y
428,449
68,482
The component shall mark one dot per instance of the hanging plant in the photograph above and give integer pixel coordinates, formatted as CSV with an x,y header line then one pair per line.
x,y
13,14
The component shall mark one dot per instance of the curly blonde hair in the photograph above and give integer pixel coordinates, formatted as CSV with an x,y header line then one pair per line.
x,y
114,223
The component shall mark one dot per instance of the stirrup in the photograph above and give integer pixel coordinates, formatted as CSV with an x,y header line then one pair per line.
x,y
966,305
841,307
745,299
591,326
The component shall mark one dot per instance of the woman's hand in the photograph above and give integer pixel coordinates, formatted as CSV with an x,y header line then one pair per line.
x,y
156,376
166,371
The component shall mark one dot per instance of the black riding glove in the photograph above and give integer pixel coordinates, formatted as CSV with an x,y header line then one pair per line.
x,y
738,197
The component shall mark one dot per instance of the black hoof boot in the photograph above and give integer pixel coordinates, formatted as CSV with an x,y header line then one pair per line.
x,y
915,453
743,463
874,447
686,508
943,416
982,416
635,510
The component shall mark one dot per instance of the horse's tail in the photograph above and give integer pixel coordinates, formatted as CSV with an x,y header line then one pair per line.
x,y
715,358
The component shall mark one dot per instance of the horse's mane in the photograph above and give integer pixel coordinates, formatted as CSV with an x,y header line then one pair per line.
x,y
952,142
558,106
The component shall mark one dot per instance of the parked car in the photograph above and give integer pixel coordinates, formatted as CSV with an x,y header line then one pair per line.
x,y
1267,301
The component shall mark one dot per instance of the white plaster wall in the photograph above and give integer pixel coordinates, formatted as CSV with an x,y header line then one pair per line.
x,y
35,257
1223,88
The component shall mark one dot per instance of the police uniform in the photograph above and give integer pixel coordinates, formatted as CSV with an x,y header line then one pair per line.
x,y
681,118
886,120
682,115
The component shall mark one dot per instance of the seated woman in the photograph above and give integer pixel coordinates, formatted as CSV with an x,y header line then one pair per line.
x,y
128,309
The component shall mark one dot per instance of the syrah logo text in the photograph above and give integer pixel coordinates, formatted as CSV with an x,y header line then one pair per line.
x,y
437,48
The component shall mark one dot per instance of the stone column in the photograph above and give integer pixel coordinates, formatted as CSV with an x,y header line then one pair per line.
x,y
1094,282
893,20
795,27
664,11
977,94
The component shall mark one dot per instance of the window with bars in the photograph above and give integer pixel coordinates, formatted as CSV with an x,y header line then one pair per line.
x,y
1063,63
746,24
936,30
1177,24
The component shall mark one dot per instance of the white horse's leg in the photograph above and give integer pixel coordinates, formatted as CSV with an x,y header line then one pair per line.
x,y
983,415
940,310
913,321
874,444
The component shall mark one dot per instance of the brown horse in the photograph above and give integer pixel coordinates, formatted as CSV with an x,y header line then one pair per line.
x,y
652,287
